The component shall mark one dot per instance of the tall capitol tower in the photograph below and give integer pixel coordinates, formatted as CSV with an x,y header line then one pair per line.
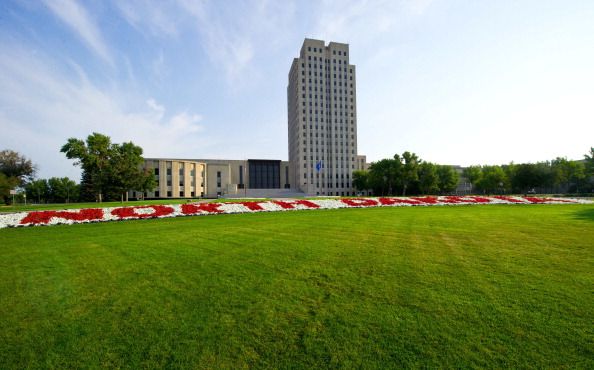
x,y
322,114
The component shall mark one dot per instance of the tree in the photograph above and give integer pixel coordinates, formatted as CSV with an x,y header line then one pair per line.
x,y
12,164
126,170
37,190
589,157
448,179
384,176
472,174
526,176
109,170
6,185
62,190
360,178
569,175
93,157
589,167
493,180
428,178
410,168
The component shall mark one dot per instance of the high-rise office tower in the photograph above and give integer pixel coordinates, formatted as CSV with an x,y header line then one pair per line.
x,y
322,117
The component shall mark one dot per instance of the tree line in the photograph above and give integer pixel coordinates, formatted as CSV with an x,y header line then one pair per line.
x,y
408,174
53,190
109,171
557,176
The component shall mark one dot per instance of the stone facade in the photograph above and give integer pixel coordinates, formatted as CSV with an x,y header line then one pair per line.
x,y
322,119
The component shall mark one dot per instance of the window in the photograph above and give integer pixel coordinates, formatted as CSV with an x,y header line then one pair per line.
x,y
157,194
156,171
169,194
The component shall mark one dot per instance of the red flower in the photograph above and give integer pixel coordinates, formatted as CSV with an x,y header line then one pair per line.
x,y
127,212
289,204
43,217
426,200
508,199
192,209
252,206
391,201
358,202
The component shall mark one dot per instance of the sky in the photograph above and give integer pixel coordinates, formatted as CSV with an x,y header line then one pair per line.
x,y
457,82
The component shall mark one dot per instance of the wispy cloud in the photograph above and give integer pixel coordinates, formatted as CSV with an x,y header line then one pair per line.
x,y
229,34
362,20
47,106
76,17
155,17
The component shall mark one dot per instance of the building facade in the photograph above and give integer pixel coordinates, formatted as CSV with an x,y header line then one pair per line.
x,y
210,178
322,119
322,137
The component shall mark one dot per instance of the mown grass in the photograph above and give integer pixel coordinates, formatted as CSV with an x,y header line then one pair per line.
x,y
472,286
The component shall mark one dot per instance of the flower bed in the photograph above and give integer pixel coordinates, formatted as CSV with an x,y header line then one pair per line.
x,y
75,216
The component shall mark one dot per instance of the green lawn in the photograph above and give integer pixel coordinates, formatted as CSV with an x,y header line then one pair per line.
x,y
466,286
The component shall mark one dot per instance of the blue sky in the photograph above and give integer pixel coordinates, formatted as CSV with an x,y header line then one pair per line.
x,y
457,82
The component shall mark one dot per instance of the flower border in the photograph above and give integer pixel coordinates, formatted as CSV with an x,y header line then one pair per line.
x,y
86,215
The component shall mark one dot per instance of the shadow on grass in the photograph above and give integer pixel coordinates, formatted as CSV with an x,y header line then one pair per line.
x,y
585,214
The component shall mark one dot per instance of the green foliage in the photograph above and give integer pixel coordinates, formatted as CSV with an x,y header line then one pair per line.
x,y
385,176
360,180
448,179
472,174
589,157
93,157
15,171
427,287
53,190
428,178
108,169
12,164
410,170
37,191
527,176
493,180
6,185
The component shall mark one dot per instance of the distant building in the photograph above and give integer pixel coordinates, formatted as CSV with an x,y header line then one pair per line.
x,y
322,119
322,123
190,178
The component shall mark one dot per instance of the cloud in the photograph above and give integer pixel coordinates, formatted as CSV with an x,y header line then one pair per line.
x,y
41,107
374,17
229,34
77,18
155,17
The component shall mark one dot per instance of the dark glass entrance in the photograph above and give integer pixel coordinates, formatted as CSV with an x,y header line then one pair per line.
x,y
264,174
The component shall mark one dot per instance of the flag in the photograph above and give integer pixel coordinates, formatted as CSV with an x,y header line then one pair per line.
x,y
319,166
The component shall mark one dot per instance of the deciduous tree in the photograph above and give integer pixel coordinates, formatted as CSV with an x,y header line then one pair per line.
x,y
448,179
